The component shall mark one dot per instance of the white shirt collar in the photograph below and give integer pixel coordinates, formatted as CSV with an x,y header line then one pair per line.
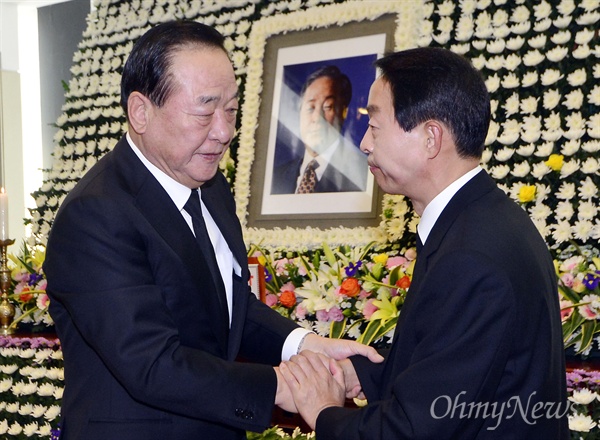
x,y
434,209
179,193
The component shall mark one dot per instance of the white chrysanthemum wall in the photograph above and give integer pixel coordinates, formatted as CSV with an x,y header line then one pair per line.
x,y
541,61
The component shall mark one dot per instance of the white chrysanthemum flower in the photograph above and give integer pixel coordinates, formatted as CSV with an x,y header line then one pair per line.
x,y
526,150
562,37
590,17
562,22
570,147
564,210
551,99
557,54
569,168
52,413
496,46
495,63
521,169
577,78
582,230
590,166
515,43
582,52
594,95
574,100
584,36
492,83
537,42
500,171
38,411
8,369
529,79
587,189
511,105
5,384
545,149
540,169
510,81
561,232
45,389
551,76
15,429
566,191
593,126
587,211
542,25
539,211
581,423
529,105
533,58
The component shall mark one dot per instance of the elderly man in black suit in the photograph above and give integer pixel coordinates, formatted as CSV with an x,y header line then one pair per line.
x,y
477,352
147,269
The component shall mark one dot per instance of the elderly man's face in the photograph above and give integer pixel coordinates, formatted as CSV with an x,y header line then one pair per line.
x,y
320,122
187,137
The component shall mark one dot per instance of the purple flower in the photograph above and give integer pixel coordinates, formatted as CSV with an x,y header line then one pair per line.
x,y
591,280
268,276
352,268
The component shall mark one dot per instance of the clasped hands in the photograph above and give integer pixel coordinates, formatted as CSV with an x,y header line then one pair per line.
x,y
320,376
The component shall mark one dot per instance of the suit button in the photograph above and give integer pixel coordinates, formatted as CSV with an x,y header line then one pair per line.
x,y
244,414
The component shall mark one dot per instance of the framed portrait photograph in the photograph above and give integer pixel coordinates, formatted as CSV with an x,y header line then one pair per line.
x,y
308,167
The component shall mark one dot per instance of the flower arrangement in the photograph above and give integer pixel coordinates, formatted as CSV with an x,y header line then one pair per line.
x,y
579,291
583,388
31,387
28,288
344,292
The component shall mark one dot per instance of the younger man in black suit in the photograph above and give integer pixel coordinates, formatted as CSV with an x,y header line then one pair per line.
x,y
477,351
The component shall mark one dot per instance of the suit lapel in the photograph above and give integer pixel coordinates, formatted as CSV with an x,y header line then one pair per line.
x,y
158,208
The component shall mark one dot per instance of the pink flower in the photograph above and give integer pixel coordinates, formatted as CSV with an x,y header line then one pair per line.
x,y
364,294
565,312
395,261
322,315
567,279
300,311
335,314
587,312
42,301
369,308
42,284
280,266
288,287
271,299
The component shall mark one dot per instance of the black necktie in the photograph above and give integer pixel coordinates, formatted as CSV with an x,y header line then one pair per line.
x,y
193,208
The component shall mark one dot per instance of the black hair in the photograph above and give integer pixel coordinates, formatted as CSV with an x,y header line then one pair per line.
x,y
436,84
147,68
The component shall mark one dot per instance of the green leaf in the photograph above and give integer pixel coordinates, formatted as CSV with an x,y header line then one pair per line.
x,y
376,329
588,330
336,330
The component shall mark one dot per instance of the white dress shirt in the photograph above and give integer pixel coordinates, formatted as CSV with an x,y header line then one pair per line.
x,y
225,259
436,206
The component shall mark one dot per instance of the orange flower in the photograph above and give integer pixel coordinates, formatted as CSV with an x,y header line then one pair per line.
x,y
25,297
350,287
287,299
403,283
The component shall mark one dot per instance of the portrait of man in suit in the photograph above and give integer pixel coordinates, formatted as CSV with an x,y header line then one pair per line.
x,y
329,162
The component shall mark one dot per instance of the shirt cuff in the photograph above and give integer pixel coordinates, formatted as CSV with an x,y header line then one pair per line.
x,y
290,346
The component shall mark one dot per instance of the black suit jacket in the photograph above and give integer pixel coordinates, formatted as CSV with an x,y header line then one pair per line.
x,y
479,333
346,171
148,351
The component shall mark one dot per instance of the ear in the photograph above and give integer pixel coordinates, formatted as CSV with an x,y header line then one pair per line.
x,y
138,107
434,132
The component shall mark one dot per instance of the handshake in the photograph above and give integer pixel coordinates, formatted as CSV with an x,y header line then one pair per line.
x,y
320,376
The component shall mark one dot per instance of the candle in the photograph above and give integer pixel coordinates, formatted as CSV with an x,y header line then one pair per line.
x,y
3,214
